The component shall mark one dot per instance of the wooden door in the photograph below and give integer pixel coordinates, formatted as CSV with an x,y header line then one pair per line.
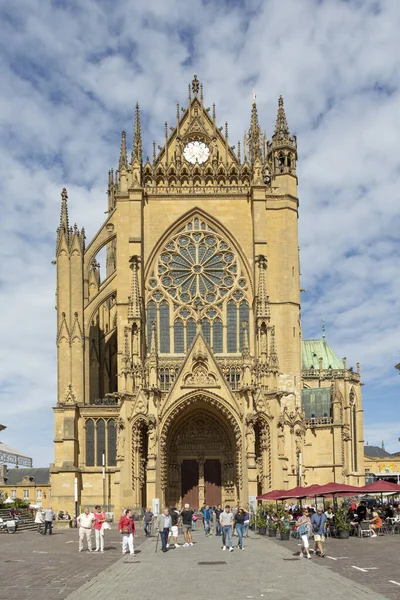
x,y
190,483
212,480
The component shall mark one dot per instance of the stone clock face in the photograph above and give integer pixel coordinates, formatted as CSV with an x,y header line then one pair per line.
x,y
196,152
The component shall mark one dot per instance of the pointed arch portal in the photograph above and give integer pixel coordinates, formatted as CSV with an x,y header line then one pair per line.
x,y
200,464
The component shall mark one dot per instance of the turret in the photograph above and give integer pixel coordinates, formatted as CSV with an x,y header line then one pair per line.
x,y
282,150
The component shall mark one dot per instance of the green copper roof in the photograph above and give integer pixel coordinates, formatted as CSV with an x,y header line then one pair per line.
x,y
316,402
313,350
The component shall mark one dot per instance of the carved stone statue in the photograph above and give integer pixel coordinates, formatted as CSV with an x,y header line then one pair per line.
x,y
178,149
120,425
152,438
214,149
250,439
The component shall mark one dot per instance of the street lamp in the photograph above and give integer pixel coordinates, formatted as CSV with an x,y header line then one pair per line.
x,y
103,462
76,496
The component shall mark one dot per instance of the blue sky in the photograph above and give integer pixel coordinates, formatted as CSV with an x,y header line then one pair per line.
x,y
71,74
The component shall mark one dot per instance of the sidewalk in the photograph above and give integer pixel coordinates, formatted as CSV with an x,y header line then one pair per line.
x,y
263,570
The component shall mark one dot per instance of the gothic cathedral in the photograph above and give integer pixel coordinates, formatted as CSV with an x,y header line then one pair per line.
x,y
182,373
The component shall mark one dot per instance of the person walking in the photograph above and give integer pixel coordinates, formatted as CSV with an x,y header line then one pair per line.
x,y
217,513
49,516
85,522
240,518
173,532
126,527
99,520
186,520
207,519
148,520
163,523
39,520
318,523
226,520
303,526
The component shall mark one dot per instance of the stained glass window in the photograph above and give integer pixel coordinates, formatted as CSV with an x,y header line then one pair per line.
x,y
111,443
164,328
178,337
217,336
190,332
89,426
232,326
206,329
100,441
197,267
197,276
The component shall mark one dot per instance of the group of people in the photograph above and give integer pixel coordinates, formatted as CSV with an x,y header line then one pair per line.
x,y
226,524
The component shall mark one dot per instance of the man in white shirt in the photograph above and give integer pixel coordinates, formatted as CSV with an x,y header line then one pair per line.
x,y
85,523
227,521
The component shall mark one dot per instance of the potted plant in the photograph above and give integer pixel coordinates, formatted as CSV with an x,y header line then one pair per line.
x,y
342,523
283,524
261,521
272,528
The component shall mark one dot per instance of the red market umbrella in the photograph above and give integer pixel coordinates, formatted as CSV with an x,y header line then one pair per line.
x,y
296,492
335,489
273,495
380,487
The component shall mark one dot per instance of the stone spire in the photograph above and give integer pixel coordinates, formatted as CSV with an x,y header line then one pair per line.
x,y
273,355
153,341
64,228
137,137
263,310
281,125
254,134
122,154
64,221
134,298
245,347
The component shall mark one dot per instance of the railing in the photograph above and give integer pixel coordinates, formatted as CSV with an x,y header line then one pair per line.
x,y
197,189
106,401
319,421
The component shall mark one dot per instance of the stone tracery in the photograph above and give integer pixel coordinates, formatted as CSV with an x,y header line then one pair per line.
x,y
197,280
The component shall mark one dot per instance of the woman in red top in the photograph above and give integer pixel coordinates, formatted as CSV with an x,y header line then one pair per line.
x,y
126,527
99,520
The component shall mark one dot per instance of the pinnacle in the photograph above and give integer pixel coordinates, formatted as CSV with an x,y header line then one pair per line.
x,y
137,136
64,223
122,156
281,126
254,134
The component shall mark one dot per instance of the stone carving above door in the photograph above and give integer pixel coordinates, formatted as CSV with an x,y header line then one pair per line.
x,y
201,436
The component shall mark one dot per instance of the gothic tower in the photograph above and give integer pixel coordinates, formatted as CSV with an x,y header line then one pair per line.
x,y
182,375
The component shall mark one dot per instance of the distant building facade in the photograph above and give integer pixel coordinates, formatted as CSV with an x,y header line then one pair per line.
x,y
31,485
380,464
183,370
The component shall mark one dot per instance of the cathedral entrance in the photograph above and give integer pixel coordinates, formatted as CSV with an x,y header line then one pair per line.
x,y
192,473
201,458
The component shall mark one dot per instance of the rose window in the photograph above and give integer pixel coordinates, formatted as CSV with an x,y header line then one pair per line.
x,y
197,267
197,280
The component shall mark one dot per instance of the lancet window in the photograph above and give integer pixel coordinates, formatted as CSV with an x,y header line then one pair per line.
x,y
197,281
101,437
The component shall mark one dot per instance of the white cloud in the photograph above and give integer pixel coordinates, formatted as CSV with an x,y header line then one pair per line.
x,y
71,74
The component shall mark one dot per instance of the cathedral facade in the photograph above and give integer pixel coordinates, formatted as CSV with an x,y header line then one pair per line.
x,y
182,373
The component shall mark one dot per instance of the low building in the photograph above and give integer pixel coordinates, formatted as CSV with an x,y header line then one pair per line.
x,y
31,485
380,464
